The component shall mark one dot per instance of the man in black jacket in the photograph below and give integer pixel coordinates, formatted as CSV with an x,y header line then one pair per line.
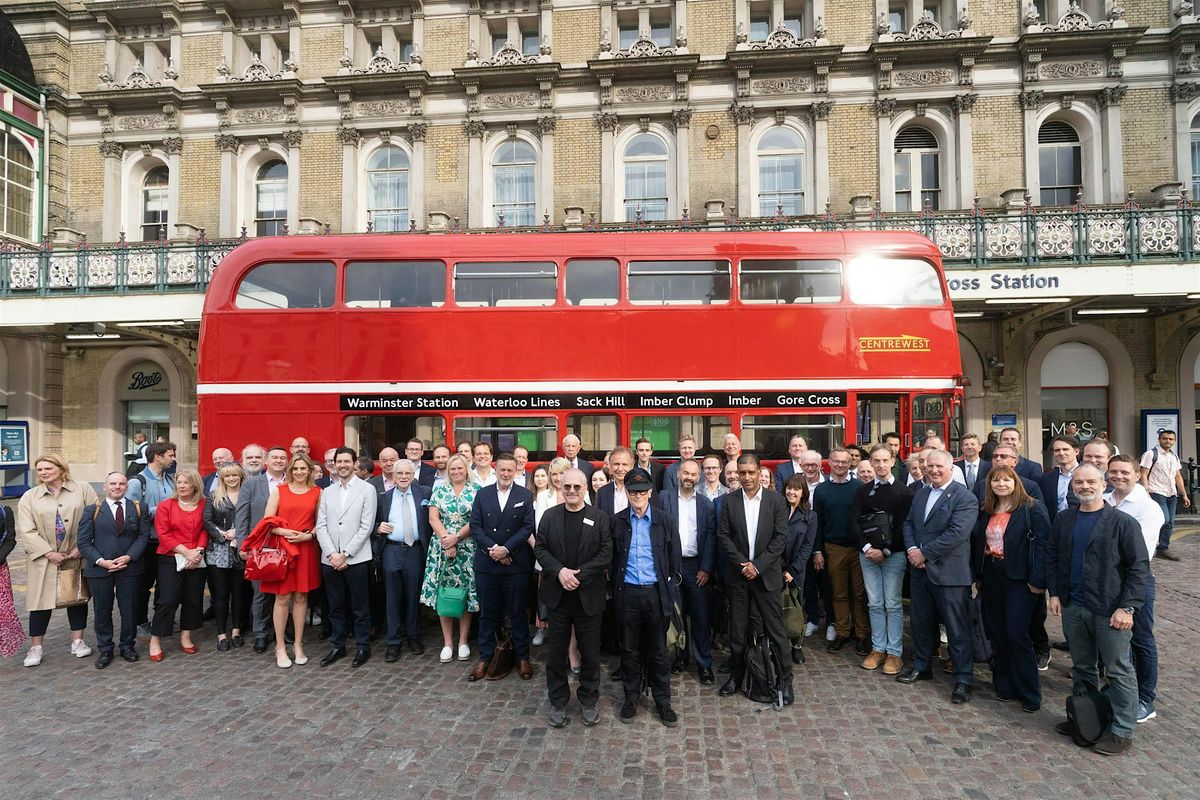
x,y
1096,568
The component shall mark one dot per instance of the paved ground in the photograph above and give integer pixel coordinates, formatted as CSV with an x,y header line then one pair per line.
x,y
233,725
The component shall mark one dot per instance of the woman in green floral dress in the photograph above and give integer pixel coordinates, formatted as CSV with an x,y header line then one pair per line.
x,y
451,558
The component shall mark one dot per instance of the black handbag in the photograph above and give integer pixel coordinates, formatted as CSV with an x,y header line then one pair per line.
x,y
876,527
8,538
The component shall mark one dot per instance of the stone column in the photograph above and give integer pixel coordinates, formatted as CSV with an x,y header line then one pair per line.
x,y
546,167
352,221
1181,96
743,117
681,121
963,104
820,160
292,139
111,216
1031,103
607,123
173,145
226,222
475,128
885,107
416,174
1112,157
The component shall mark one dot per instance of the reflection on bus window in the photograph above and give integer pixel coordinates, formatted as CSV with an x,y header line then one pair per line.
x,y
597,432
395,284
538,435
378,432
505,283
928,418
788,281
592,281
678,282
287,285
664,432
879,281
767,435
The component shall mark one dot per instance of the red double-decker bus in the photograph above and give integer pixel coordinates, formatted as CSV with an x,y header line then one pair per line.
x,y
370,340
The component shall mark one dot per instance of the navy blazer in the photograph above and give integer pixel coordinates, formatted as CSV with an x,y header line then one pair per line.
x,y
604,499
802,535
664,544
511,528
771,537
984,468
945,537
784,471
1029,469
1049,487
706,527
101,539
1024,557
670,478
421,497
426,475
656,474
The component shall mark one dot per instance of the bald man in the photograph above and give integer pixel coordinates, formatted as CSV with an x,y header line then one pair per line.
x,y
220,457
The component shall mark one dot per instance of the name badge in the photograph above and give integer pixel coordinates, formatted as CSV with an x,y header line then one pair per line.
x,y
587,521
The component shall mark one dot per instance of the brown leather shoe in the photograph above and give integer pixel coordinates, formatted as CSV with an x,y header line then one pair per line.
x,y
892,665
875,660
948,667
525,670
478,671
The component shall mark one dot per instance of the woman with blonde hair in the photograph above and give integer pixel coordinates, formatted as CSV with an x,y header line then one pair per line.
x,y
47,524
451,557
182,539
225,566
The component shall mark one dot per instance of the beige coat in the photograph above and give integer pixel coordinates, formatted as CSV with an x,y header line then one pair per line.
x,y
35,532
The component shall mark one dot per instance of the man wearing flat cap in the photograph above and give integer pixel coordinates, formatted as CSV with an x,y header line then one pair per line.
x,y
646,566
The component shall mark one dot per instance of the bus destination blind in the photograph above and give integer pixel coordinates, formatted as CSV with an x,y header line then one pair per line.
x,y
614,401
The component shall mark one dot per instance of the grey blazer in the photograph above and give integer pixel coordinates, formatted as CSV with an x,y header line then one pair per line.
x,y
346,527
251,505
945,537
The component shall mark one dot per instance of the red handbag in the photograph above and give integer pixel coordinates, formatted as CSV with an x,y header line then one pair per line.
x,y
265,564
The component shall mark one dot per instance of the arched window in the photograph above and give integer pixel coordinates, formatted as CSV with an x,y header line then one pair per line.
x,y
16,187
1196,155
1075,381
918,169
780,172
387,189
270,199
154,204
1060,163
646,162
514,176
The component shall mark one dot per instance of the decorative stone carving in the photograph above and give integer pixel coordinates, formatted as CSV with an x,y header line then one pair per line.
x,y
1182,92
792,85
546,124
884,106
607,121
926,29
417,131
644,94
142,122
257,116
1068,70
1031,100
783,39
173,144
474,128
293,138
742,115
681,118
963,103
227,143
511,100
380,64
379,108
256,71
112,149
510,56
923,77
1111,96
1076,19
138,78
645,47
350,136
821,109
264,143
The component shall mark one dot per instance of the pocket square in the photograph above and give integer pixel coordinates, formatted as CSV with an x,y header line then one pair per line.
x,y
518,505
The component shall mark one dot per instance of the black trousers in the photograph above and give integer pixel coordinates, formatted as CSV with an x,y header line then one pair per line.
x,y
502,596
124,589
749,599
644,643
39,621
1008,606
228,596
952,604
695,610
149,576
403,570
816,581
568,615
1037,626
177,589
348,592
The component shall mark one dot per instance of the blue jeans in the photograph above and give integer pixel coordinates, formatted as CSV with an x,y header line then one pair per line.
x,y
884,582
1167,504
1145,650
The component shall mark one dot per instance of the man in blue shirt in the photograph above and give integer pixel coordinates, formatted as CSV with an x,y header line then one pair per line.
x,y
149,488
646,558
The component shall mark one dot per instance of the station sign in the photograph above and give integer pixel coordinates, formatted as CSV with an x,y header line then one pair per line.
x,y
1074,281
612,401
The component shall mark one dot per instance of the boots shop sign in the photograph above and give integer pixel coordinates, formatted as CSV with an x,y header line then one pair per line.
x,y
145,381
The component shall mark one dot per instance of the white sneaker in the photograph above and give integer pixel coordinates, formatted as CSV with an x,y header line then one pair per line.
x,y
34,656
447,655
316,620
810,628
830,633
464,652
79,648
539,637
942,634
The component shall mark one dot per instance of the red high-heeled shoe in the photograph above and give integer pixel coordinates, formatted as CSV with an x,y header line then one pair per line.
x,y
158,656
189,649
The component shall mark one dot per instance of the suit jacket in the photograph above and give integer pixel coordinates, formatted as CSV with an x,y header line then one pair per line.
x,y
945,537
784,471
664,544
595,557
511,528
426,473
771,539
251,505
1029,469
586,468
345,526
802,535
377,482
656,474
206,482
670,478
421,496
1049,487
1024,558
706,527
101,539
605,499
984,468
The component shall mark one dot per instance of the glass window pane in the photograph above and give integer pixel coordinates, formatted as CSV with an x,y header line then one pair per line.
x,y
505,283
767,435
592,282
645,144
287,285
598,433
1047,166
790,281
903,171
539,435
878,281
627,35
395,284
664,432
780,137
760,26
661,34
929,171
678,282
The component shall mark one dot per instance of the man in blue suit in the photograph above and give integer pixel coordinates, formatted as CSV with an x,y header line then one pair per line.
x,y
1025,468
113,535
502,524
403,521
1056,484
974,468
796,447
696,527
937,538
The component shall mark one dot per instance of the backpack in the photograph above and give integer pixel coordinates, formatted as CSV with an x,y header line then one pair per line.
x,y
1091,714
762,679
677,636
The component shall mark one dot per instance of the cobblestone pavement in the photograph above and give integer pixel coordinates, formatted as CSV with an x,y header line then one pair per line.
x,y
232,725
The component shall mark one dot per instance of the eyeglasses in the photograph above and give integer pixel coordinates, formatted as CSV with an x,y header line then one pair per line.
x,y
572,487
637,491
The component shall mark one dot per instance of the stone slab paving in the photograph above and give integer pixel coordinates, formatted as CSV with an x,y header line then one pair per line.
x,y
232,725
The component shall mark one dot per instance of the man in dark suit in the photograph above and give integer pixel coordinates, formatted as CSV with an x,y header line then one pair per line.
x,y
752,532
423,474
612,497
796,447
113,534
402,521
387,460
251,505
574,546
974,468
937,537
220,457
1056,484
644,452
1024,468
645,557
501,524
670,476
1005,455
326,480
696,528
570,448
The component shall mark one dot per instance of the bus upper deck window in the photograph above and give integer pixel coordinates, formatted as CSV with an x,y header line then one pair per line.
x,y
396,284
881,281
664,283
592,281
306,284
505,283
790,281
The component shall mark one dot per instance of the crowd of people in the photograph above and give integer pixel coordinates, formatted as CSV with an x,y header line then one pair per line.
x,y
579,558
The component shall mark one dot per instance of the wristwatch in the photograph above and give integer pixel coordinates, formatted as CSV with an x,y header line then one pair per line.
x,y
1129,610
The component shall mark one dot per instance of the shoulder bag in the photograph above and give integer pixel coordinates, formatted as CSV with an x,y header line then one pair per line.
x,y
876,527
451,600
266,564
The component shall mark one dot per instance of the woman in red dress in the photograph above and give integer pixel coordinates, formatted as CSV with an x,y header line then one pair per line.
x,y
296,501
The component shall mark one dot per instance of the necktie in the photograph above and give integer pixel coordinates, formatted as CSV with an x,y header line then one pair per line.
x,y
406,526
970,476
120,517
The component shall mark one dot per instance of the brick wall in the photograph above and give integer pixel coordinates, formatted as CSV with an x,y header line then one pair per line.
x,y
576,35
1147,131
321,178
199,193
713,164
51,58
320,50
80,414
850,22
710,27
87,62
996,17
445,43
997,134
576,167
1151,13
446,171
853,154
85,190
200,56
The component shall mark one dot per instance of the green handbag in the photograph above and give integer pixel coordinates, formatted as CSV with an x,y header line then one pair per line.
x,y
793,613
451,600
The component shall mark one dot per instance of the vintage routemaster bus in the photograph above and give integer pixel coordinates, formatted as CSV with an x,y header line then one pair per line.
x,y
522,338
